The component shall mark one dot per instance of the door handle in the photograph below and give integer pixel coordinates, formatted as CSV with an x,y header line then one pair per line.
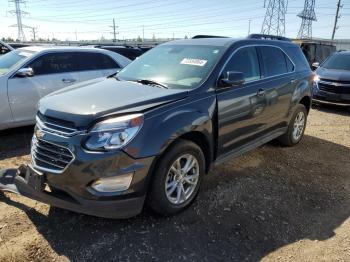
x,y
261,92
68,80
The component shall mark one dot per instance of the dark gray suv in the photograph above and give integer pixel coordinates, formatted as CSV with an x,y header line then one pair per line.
x,y
151,132
332,83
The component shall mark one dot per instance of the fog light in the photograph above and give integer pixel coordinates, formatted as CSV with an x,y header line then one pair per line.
x,y
113,184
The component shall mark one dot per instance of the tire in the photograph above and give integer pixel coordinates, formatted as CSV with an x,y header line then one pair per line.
x,y
162,197
290,138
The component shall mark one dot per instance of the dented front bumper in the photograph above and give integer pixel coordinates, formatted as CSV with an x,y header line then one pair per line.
x,y
28,182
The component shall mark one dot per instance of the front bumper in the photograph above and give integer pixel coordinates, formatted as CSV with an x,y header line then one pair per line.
x,y
324,97
71,188
16,181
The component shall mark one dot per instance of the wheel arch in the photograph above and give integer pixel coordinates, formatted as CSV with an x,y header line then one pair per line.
x,y
306,101
202,141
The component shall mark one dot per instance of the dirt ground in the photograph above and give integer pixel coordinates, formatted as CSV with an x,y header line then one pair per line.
x,y
272,204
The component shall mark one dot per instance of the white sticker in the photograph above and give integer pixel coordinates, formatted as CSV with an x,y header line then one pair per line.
x,y
193,61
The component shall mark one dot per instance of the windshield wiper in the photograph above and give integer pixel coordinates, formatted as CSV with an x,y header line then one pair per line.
x,y
114,75
150,82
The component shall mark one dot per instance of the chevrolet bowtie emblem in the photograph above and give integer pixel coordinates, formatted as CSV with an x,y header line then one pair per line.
x,y
38,133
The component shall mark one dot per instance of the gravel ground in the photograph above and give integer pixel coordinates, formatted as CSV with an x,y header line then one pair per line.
x,y
272,204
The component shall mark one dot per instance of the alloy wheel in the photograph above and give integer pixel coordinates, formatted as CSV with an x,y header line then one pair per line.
x,y
299,124
182,179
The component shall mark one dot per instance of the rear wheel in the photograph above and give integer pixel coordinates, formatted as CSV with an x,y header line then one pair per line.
x,y
177,178
296,128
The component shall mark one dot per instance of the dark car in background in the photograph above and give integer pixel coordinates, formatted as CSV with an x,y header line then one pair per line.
x,y
128,51
332,83
150,133
5,48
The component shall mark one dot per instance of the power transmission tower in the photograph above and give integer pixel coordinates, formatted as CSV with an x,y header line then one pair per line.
x,y
307,15
274,21
337,16
18,12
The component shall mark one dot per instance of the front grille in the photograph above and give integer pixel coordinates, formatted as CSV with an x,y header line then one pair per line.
x,y
50,157
334,88
56,126
342,82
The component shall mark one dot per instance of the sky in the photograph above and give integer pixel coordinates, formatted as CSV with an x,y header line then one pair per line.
x,y
93,19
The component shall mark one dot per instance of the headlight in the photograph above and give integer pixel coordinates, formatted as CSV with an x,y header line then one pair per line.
x,y
316,78
114,133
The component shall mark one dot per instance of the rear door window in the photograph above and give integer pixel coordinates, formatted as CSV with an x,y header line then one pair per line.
x,y
275,61
55,63
96,61
245,60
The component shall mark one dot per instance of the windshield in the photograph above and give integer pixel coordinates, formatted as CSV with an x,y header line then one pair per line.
x,y
176,66
11,59
338,61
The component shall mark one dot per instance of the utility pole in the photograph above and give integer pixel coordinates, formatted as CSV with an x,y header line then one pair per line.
x,y
143,33
337,16
114,35
307,15
18,12
274,21
249,26
34,33
76,35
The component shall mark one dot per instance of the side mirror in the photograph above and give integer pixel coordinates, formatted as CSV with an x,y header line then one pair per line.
x,y
25,72
315,65
232,78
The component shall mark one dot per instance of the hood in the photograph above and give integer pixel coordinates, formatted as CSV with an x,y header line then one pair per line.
x,y
87,101
333,74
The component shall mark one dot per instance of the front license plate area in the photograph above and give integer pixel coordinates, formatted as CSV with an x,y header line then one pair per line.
x,y
35,180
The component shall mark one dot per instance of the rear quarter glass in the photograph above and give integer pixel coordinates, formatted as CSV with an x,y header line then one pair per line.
x,y
297,56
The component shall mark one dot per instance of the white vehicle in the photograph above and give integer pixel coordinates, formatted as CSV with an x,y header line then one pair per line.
x,y
30,73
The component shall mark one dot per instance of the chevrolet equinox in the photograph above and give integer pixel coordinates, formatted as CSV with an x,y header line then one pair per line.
x,y
150,133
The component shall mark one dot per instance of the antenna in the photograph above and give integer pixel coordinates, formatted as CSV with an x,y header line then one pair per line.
x,y
307,15
19,14
274,21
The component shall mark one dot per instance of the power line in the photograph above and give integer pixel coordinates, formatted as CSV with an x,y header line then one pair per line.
x,y
274,21
307,15
214,12
111,10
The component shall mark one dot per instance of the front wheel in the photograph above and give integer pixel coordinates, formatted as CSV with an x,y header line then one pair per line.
x,y
177,178
296,128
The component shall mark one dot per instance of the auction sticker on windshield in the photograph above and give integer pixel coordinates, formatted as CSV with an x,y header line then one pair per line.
x,y
193,61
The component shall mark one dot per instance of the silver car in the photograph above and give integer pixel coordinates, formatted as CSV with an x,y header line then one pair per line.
x,y
30,73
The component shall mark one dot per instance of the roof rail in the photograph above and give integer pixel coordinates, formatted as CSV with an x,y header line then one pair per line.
x,y
268,37
208,36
